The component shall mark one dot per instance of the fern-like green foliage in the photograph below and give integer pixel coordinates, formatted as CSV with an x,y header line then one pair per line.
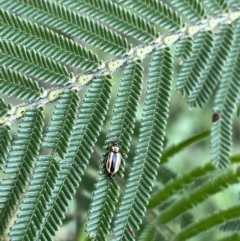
x,y
224,105
148,234
209,222
15,84
193,10
199,195
40,190
210,77
5,144
136,195
3,108
19,164
104,202
50,50
190,72
231,225
46,41
75,161
62,122
178,184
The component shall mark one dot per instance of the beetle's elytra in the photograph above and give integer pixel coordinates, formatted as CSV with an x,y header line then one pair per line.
x,y
113,160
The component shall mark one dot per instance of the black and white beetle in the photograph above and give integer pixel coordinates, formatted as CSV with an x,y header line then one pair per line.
x,y
113,160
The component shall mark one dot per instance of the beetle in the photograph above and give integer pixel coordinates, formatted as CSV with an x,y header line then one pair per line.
x,y
113,160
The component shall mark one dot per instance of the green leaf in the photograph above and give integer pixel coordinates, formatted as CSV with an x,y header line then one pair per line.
x,y
57,16
224,104
3,108
148,234
19,58
192,10
209,222
156,12
165,174
184,49
61,124
199,195
176,148
104,201
5,144
39,192
217,6
235,237
149,147
86,130
211,75
15,84
179,184
186,219
232,225
19,164
46,41
116,17
234,3
190,72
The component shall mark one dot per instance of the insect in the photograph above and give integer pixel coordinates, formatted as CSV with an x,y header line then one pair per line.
x,y
114,159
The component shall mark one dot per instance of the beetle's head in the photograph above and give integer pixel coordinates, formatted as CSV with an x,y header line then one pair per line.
x,y
115,147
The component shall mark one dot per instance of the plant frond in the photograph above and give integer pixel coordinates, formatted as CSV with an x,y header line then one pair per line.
x,y
231,225
148,234
209,222
234,3
184,49
69,22
178,184
192,10
61,124
155,11
199,195
212,73
86,130
116,17
32,63
44,40
125,108
122,122
235,159
104,200
189,75
19,164
186,219
165,174
225,102
35,203
36,46
216,6
235,237
5,143
15,84
149,147
175,148
4,108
